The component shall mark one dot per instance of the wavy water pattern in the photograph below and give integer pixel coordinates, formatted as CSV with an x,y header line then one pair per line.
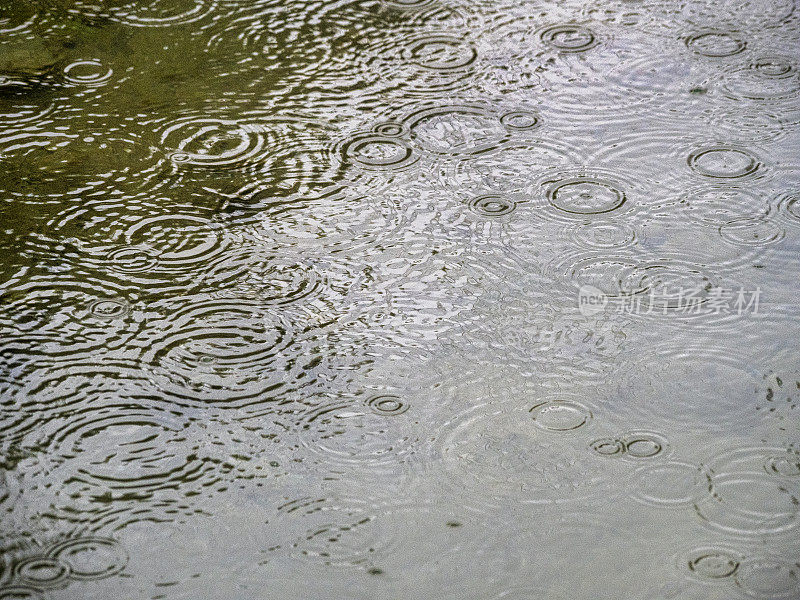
x,y
399,299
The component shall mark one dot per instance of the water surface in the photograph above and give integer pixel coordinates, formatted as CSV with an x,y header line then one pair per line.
x,y
399,299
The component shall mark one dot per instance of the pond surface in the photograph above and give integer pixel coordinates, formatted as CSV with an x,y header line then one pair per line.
x,y
363,299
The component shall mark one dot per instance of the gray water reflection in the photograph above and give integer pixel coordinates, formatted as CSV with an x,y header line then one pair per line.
x,y
399,298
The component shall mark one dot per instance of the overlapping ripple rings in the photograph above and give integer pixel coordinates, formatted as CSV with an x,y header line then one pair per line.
x,y
491,447
751,491
446,299
218,351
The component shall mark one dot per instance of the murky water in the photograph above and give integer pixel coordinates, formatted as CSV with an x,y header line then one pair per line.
x,y
399,299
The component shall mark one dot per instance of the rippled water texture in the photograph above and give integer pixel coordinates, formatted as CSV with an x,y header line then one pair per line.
x,y
358,299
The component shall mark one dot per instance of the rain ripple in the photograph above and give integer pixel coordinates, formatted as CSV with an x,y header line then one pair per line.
x,y
500,450
751,492
219,352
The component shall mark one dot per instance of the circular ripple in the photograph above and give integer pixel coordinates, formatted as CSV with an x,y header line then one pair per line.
x,y
783,465
752,232
617,277
456,129
220,351
585,195
604,236
255,275
112,308
774,460
644,444
17,110
179,241
341,220
120,453
406,3
676,286
497,454
388,405
440,53
51,390
670,484
42,572
608,447
769,578
716,205
18,592
389,129
712,563
723,162
420,64
163,252
131,259
520,120
765,78
206,142
716,44
349,537
789,208
87,72
341,434
65,320
161,13
511,168
653,75
378,152
560,415
492,205
569,38
774,66
634,445
748,504
91,558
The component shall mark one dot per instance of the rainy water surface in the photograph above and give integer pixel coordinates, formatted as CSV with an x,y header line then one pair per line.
x,y
358,299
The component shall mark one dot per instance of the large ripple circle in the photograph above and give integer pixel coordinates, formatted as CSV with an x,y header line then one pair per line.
x,y
586,195
723,162
91,557
500,455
